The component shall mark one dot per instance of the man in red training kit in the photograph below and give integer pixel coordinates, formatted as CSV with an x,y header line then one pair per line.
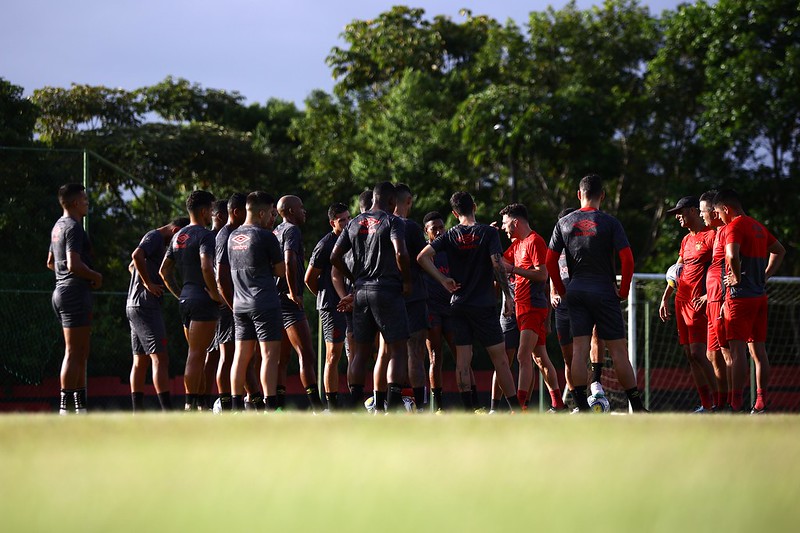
x,y
590,237
690,305
752,256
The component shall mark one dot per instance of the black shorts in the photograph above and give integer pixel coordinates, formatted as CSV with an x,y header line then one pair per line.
x,y
379,311
442,318
73,305
195,310
225,330
148,333
417,313
263,326
587,309
511,337
480,324
563,328
334,325
291,312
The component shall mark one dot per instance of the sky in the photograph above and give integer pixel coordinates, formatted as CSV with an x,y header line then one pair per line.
x,y
260,48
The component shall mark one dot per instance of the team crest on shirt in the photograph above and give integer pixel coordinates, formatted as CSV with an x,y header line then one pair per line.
x,y
585,228
240,242
182,240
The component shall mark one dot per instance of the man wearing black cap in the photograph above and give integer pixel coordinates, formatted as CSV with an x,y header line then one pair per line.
x,y
690,298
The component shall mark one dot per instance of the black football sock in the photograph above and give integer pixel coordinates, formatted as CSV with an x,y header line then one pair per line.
x,y
494,404
380,400
419,397
209,399
165,400
475,402
356,396
333,400
237,402
313,398
394,398
137,401
80,400
259,403
513,403
636,400
436,395
597,371
272,403
466,401
64,401
579,395
281,396
225,401
190,403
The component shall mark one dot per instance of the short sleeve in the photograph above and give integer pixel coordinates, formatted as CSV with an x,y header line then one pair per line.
x,y
397,229
557,240
620,239
208,245
318,259
494,242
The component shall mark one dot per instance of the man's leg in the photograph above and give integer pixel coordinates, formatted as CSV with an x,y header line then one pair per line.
x,y
549,375
333,353
527,340
73,368
141,363
497,353
199,335
380,382
416,365
702,373
270,360
357,370
241,360
227,351
299,335
464,375
578,372
160,363
717,360
396,373
435,357
618,349
738,365
758,350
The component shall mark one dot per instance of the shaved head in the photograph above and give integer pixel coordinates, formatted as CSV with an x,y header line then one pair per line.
x,y
290,208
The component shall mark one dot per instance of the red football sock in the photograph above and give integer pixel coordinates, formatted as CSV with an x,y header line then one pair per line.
x,y
761,399
719,400
522,395
705,397
736,400
555,399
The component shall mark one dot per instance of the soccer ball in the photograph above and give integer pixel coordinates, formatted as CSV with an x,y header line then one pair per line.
x,y
599,403
408,403
673,275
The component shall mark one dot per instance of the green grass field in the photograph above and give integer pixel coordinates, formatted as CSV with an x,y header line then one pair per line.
x,y
296,472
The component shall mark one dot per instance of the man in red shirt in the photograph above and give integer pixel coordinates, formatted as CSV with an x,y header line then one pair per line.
x,y
525,259
690,308
752,256
716,343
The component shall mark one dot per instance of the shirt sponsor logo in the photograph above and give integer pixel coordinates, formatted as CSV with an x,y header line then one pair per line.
x,y
467,241
182,241
240,242
368,225
585,228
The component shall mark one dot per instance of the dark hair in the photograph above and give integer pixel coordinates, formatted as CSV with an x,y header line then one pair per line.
x,y
336,209
402,191
515,211
180,222
591,186
237,201
219,206
69,192
708,197
198,200
433,215
565,212
462,203
365,200
384,193
259,200
728,197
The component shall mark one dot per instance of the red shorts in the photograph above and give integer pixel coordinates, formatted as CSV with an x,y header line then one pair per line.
x,y
746,319
692,323
716,327
534,319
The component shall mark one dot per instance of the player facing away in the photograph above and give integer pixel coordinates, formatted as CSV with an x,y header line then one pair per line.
x,y
525,260
70,258
590,238
145,316
717,345
690,302
475,258
319,282
191,253
416,302
219,217
752,256
255,260
290,288
236,208
381,278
